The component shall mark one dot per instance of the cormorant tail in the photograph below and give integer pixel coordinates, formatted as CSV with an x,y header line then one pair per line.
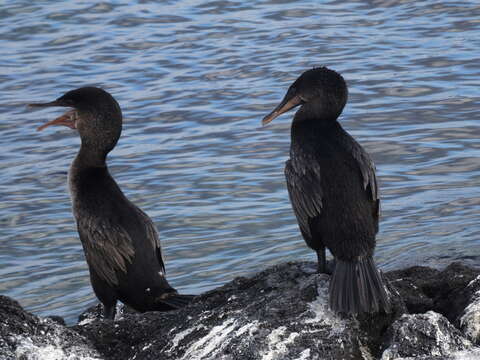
x,y
173,301
356,287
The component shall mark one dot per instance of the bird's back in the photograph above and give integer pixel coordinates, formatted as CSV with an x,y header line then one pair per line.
x,y
347,223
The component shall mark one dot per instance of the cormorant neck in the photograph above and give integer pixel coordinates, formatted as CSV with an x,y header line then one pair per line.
x,y
317,113
308,128
91,157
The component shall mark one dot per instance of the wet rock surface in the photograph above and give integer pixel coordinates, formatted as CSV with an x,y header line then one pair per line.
x,y
26,336
445,292
428,334
279,313
469,322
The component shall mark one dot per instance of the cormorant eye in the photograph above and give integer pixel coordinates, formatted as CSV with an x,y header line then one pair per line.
x,y
66,102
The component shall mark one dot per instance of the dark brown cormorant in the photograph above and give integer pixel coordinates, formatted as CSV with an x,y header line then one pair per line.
x,y
120,241
333,190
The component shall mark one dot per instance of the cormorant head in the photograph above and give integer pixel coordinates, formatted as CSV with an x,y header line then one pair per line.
x,y
95,114
321,92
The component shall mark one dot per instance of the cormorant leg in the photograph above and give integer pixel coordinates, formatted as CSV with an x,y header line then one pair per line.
x,y
109,311
331,266
322,261
105,293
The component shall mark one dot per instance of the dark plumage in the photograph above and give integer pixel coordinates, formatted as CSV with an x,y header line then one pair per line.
x,y
120,241
333,190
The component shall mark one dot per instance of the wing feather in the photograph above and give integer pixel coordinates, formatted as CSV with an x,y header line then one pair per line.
x,y
305,193
367,168
152,236
108,247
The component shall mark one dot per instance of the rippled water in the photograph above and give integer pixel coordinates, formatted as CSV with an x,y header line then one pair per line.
x,y
194,79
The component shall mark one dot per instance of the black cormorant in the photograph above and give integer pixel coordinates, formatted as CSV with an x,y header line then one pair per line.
x,y
333,190
120,241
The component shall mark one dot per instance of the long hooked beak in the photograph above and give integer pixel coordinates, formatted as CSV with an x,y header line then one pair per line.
x,y
286,104
68,119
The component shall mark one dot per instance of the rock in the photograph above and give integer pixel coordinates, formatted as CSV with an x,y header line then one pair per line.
x,y
57,319
470,319
26,336
425,289
279,313
429,334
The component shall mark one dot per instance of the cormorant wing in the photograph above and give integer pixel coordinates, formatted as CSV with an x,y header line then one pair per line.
x,y
367,168
152,236
303,184
108,247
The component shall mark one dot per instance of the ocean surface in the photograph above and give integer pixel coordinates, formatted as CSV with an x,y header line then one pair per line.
x,y
194,79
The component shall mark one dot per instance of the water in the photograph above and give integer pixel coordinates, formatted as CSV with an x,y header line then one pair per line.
x,y
194,79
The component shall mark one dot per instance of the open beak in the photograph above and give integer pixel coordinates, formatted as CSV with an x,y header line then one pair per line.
x,y
68,119
286,104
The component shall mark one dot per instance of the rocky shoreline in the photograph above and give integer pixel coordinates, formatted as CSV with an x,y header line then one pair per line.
x,y
279,313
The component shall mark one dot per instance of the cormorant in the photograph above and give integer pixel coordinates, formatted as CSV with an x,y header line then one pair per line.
x,y
333,190
120,241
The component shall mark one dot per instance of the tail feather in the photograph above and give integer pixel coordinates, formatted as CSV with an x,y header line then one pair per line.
x,y
173,301
356,287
